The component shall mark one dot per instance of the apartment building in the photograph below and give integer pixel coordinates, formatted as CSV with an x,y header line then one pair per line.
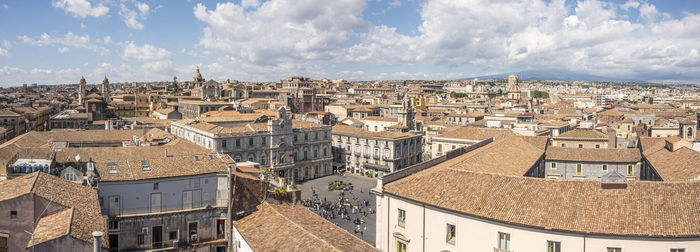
x,y
376,153
292,149
586,163
164,202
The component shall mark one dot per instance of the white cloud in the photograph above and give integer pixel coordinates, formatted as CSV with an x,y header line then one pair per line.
x,y
630,4
63,50
648,12
82,26
107,40
591,37
69,40
143,8
81,8
281,31
145,52
6,43
5,6
130,18
394,3
3,52
250,3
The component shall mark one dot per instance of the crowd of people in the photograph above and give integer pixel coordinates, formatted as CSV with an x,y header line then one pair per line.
x,y
343,209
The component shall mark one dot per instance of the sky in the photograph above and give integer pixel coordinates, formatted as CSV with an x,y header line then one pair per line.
x,y
58,41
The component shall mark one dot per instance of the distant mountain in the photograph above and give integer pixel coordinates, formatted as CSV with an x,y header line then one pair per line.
x,y
552,74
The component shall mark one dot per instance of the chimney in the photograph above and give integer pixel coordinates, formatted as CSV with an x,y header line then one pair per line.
x,y
97,241
612,138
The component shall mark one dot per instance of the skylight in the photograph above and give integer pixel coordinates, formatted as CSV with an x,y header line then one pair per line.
x,y
196,158
112,171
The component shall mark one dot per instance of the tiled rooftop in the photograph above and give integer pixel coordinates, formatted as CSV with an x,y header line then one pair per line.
x,y
281,227
593,155
84,216
646,209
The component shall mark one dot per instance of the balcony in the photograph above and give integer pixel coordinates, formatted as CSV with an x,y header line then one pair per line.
x,y
371,166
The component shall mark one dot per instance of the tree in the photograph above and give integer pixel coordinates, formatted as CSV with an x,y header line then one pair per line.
x,y
173,86
540,94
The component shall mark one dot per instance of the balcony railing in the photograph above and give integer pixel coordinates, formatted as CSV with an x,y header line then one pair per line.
x,y
131,211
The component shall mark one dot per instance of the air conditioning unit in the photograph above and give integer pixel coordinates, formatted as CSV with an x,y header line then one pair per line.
x,y
144,230
176,243
193,238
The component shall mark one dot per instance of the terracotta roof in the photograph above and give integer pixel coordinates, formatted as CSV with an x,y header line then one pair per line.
x,y
381,119
52,227
294,228
85,214
470,114
353,120
160,167
583,133
512,156
593,155
680,165
165,111
478,133
644,209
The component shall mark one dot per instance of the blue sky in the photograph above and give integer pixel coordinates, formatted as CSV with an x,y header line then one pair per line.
x,y
58,41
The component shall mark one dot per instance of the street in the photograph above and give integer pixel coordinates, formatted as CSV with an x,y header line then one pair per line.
x,y
360,193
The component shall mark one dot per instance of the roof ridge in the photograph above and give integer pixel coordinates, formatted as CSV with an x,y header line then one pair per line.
x,y
36,178
70,224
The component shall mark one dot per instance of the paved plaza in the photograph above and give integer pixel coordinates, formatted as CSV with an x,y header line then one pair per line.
x,y
360,192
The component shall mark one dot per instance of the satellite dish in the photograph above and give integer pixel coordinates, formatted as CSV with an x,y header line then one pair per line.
x,y
77,158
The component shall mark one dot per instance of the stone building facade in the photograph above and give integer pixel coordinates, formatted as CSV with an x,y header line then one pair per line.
x,y
376,153
294,150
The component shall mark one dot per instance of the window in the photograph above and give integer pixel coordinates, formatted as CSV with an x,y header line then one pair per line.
x,y
250,141
553,246
113,225
580,145
140,239
504,241
439,147
563,145
630,170
579,169
450,234
605,167
263,140
13,215
172,235
238,142
614,249
400,246
597,146
223,144
554,165
155,186
677,250
192,230
402,218
3,242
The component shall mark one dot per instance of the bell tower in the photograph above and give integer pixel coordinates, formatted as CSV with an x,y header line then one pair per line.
x,y
105,89
82,88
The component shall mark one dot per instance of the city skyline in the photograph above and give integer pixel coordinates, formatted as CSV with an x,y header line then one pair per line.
x,y
249,40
